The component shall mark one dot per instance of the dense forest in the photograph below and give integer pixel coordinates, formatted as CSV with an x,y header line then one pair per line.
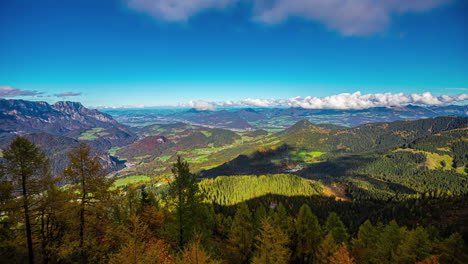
x,y
80,216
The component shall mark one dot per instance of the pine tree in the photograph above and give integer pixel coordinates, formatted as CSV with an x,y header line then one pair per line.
x,y
90,185
25,166
308,234
241,235
271,245
337,228
184,193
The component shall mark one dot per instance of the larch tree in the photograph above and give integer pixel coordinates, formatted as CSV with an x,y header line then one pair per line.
x,y
271,245
25,167
341,256
364,247
90,186
325,250
241,235
337,228
308,234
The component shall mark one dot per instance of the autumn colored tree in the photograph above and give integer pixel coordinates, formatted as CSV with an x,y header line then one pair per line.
x,y
308,234
140,247
26,166
241,235
271,245
341,256
431,260
325,250
90,186
195,254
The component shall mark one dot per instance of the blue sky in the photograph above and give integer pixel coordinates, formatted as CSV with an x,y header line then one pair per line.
x,y
148,52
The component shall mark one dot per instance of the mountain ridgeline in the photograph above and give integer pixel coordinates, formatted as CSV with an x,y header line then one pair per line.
x,y
59,127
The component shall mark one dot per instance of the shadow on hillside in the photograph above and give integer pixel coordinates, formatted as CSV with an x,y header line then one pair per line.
x,y
334,168
258,163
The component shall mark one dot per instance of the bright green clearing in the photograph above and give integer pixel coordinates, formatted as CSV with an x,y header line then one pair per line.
x,y
164,158
91,134
130,180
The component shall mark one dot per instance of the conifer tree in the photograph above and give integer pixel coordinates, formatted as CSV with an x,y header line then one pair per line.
x,y
90,185
388,242
341,256
325,250
195,254
271,245
364,247
414,247
453,250
308,234
26,166
241,235
337,228
184,193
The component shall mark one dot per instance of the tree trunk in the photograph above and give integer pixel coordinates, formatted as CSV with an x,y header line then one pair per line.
x,y
28,224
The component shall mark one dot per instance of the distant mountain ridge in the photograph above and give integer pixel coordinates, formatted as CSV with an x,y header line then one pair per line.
x,y
276,119
23,117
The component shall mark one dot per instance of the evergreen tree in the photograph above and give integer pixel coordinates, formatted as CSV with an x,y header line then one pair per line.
x,y
337,228
241,235
364,247
26,166
308,234
90,185
283,220
271,245
453,250
388,242
414,247
185,195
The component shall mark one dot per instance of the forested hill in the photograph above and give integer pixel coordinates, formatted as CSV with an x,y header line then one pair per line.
x,y
368,136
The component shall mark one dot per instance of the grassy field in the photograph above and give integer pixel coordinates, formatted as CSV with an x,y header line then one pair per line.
x,y
130,180
92,134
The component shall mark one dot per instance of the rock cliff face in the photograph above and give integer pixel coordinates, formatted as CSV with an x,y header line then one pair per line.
x,y
59,127
23,117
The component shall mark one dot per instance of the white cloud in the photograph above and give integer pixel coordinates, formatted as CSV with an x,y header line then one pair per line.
x,y
348,17
177,10
340,101
8,91
66,94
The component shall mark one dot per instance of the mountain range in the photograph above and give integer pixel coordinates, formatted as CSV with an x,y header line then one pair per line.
x,y
276,119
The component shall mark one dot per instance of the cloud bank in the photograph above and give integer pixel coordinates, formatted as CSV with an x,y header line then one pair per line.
x,y
348,17
340,101
8,91
67,94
